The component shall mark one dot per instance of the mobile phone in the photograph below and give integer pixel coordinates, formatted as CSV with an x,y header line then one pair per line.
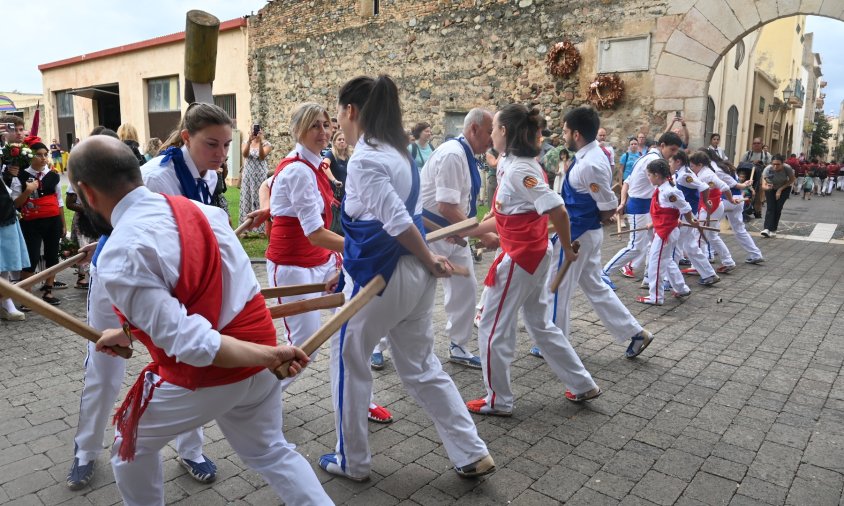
x,y
679,114
255,129
10,127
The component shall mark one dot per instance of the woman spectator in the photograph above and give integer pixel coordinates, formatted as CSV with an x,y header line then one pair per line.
x,y
562,167
129,136
421,149
255,152
153,147
13,253
338,158
628,159
777,179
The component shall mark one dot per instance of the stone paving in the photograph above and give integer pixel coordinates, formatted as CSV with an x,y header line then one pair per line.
x,y
738,401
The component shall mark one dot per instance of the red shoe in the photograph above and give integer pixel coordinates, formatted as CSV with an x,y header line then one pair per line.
x,y
627,271
691,271
479,407
379,414
585,396
647,300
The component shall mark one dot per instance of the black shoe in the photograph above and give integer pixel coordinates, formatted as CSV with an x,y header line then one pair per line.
x,y
58,285
757,214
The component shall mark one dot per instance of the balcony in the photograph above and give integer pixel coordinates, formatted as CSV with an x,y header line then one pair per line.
x,y
798,96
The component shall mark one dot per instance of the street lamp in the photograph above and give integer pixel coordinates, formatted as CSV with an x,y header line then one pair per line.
x,y
787,93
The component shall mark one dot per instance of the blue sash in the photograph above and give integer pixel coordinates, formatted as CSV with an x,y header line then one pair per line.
x,y
100,244
638,206
692,196
368,250
192,189
474,175
436,218
584,214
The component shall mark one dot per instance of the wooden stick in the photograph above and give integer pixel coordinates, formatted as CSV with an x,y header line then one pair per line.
x,y
618,226
303,306
322,334
239,231
31,281
558,278
641,229
454,229
431,227
56,315
712,229
287,291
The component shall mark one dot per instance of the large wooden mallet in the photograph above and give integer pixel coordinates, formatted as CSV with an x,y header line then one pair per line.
x,y
454,229
303,306
60,317
201,33
325,332
46,273
430,226
558,278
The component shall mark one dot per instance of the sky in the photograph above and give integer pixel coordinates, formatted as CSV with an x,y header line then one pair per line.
x,y
73,28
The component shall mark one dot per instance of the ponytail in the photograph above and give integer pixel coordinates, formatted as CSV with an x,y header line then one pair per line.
x,y
380,110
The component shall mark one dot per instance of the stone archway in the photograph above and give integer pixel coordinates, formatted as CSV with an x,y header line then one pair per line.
x,y
700,32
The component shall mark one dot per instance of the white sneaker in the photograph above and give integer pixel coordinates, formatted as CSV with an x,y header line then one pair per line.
x,y
12,316
772,234
765,233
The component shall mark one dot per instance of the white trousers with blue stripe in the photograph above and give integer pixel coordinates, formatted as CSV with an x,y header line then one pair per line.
x,y
636,250
403,312
460,293
586,273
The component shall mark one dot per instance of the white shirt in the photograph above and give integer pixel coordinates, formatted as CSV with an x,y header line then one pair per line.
x,y
638,184
377,184
295,192
671,196
139,269
592,174
163,179
445,178
522,187
729,180
710,179
718,151
101,316
685,177
43,172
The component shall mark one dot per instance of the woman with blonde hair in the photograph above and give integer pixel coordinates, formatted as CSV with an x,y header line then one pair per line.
x,y
129,136
152,149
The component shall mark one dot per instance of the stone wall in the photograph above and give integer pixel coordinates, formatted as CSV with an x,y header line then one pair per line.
x,y
445,56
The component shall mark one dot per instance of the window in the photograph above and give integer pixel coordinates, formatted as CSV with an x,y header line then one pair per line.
x,y
228,103
798,27
376,7
761,105
368,8
732,133
710,118
739,54
163,94
64,101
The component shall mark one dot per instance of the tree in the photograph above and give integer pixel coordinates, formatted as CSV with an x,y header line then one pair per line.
x,y
820,136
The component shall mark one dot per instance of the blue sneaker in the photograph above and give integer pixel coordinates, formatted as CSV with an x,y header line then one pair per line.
x,y
607,281
330,464
536,352
79,476
666,286
460,356
638,343
376,361
203,472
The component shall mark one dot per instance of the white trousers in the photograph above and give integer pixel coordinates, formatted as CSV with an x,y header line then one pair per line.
x,y
403,312
716,244
249,415
797,187
829,185
816,185
460,292
841,182
733,212
687,242
636,250
299,327
516,289
585,272
660,264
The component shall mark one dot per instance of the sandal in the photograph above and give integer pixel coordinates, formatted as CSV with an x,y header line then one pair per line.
x,y
48,297
58,285
82,285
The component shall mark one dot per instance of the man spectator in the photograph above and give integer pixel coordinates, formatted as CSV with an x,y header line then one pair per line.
x,y
760,159
56,155
642,139
602,141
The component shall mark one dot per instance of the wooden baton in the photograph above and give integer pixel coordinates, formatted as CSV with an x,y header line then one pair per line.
x,y
711,229
303,306
56,315
239,231
641,229
431,226
322,334
558,278
31,281
618,227
454,229
288,290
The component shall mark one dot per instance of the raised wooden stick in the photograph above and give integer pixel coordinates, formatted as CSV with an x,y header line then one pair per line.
x,y
303,306
454,229
56,315
322,334
431,226
46,273
286,291
239,231
558,278
640,229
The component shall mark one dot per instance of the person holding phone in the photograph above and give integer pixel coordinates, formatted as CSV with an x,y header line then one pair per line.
x,y
255,152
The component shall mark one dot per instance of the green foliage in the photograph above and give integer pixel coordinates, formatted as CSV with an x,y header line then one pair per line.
x,y
820,136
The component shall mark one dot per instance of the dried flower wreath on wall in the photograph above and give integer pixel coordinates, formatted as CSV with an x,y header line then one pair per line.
x,y
605,91
562,59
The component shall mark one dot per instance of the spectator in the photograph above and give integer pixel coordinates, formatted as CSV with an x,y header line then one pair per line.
x,y
338,158
153,147
602,141
255,151
492,156
13,252
678,126
218,197
628,159
564,158
421,149
714,147
56,154
129,136
642,139
778,177
759,158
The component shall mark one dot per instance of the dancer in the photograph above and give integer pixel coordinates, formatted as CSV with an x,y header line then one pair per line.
x,y
733,209
711,211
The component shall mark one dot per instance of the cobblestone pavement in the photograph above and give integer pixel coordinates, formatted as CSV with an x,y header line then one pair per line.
x,y
738,401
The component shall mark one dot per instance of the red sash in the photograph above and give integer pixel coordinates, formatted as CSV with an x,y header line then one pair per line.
x,y
200,290
711,203
664,219
522,236
42,207
288,243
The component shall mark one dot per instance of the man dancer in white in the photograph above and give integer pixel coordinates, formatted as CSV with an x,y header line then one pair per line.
x,y
198,373
636,193
589,199
450,185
